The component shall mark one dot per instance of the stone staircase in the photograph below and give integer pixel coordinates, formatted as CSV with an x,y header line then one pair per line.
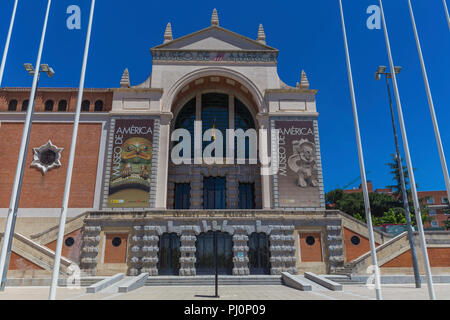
x,y
210,280
343,279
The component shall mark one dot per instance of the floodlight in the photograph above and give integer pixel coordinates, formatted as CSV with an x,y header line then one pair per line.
x,y
29,68
381,69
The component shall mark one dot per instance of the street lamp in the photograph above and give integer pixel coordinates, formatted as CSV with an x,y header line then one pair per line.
x,y
44,68
388,75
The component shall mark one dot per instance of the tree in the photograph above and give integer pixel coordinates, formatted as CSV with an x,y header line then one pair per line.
x,y
397,187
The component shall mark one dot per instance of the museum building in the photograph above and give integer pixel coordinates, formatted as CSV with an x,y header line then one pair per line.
x,y
134,210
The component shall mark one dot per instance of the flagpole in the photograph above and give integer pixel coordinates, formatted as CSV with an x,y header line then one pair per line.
x,y
446,13
361,162
431,104
62,222
8,39
408,161
17,187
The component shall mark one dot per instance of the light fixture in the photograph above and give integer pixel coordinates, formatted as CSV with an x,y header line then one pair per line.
x,y
47,69
29,68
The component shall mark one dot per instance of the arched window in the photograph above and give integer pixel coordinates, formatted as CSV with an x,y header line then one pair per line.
x,y
62,105
12,106
25,105
49,105
85,105
185,120
98,106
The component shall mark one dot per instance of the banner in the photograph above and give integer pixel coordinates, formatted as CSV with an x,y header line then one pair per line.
x,y
132,152
298,185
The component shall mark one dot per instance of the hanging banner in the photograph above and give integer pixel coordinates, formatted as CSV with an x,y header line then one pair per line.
x,y
132,151
298,185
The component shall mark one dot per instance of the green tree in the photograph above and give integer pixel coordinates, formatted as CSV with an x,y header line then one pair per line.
x,y
397,187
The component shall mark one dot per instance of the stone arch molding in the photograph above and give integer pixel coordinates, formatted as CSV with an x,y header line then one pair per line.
x,y
169,98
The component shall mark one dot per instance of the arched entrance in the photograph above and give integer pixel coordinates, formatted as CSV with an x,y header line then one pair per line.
x,y
169,254
259,253
205,253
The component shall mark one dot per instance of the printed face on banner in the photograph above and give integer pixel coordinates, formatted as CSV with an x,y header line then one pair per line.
x,y
132,152
297,176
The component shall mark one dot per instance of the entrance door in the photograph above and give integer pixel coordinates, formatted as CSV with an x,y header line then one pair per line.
x,y
205,253
259,255
214,193
169,254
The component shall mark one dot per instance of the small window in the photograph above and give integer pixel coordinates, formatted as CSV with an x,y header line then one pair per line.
x,y
432,212
85,105
430,200
310,240
182,196
69,241
434,224
49,105
25,105
246,196
62,105
116,242
445,200
98,106
12,105
355,240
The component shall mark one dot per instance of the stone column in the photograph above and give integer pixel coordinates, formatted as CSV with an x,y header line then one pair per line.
x,y
163,161
282,250
150,249
188,249
335,247
240,250
263,123
89,251
135,253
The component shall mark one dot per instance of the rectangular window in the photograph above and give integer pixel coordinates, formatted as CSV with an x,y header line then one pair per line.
x,y
434,224
444,200
432,212
430,200
182,196
246,196
214,193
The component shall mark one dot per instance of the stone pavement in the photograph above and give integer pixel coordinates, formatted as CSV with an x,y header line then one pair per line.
x,y
272,292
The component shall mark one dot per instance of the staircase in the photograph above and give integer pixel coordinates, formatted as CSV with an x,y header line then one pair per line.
x,y
343,279
210,280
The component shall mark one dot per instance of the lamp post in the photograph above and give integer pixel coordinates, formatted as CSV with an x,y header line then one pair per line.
x,y
15,195
382,71
446,13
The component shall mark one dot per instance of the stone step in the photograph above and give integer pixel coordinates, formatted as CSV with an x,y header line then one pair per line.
x,y
210,280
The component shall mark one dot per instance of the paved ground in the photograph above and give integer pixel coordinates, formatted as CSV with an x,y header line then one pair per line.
x,y
273,292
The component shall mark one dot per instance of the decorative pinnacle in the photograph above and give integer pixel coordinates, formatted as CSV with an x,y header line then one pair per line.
x,y
168,33
261,34
215,18
304,83
125,81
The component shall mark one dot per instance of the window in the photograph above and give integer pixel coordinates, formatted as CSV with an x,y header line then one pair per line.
x,y
49,105
185,120
12,106
246,196
243,120
445,200
98,106
259,253
116,242
25,105
62,105
169,254
215,116
355,240
432,212
310,240
214,193
205,253
85,105
182,196
430,200
434,224
69,241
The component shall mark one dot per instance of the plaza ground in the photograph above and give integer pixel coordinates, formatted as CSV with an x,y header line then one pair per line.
x,y
271,292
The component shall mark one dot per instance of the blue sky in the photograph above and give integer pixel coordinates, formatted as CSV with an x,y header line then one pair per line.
x,y
308,35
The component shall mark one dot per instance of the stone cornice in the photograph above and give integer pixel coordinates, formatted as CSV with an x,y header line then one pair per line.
x,y
149,90
292,90
41,89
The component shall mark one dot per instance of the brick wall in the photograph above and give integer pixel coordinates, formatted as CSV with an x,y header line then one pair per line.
x,y
311,253
41,191
439,258
354,251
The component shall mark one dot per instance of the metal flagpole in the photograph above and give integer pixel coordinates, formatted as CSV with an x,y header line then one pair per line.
x,y
408,161
62,222
15,194
431,104
361,163
446,13
8,39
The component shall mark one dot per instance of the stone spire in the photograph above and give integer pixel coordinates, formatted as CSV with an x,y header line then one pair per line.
x,y
261,35
125,81
304,83
168,33
215,18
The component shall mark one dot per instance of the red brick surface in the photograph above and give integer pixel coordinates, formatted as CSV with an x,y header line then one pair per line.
x,y
439,258
20,263
352,251
311,253
46,191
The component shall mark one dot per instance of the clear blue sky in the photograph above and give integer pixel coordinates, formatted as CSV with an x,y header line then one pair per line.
x,y
308,35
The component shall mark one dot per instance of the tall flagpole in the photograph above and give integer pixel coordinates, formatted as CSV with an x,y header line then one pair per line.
x,y
446,13
361,163
409,162
15,194
431,104
8,39
62,222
